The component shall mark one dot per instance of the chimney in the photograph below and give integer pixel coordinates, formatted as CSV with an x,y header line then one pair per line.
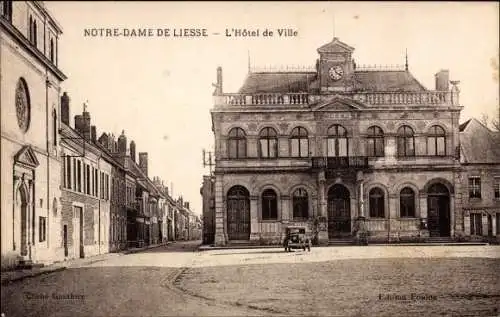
x,y
93,134
219,81
79,123
104,140
65,108
86,125
132,150
443,80
143,162
186,205
122,143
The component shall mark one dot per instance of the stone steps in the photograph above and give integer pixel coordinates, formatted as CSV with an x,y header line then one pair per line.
x,y
340,241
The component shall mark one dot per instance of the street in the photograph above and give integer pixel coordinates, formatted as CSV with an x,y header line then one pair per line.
x,y
176,280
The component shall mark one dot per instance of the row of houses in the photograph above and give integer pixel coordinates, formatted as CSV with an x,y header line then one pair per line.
x,y
341,150
67,192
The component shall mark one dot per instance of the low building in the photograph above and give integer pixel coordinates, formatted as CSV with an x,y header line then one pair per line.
x,y
208,209
480,181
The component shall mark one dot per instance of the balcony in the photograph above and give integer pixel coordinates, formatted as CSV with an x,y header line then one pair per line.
x,y
369,98
332,163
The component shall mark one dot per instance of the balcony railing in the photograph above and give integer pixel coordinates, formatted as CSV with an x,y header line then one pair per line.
x,y
370,98
339,162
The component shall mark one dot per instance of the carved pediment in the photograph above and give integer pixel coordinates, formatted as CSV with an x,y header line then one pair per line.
x,y
27,156
338,104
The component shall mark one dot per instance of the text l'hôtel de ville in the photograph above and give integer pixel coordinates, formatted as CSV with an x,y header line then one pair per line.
x,y
188,32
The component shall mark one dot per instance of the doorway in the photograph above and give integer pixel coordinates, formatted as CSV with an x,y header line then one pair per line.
x,y
438,204
339,212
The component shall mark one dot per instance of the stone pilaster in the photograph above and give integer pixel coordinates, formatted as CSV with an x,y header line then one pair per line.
x,y
220,232
254,219
322,223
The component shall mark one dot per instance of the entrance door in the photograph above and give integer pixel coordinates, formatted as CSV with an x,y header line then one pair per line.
x,y
78,231
438,202
22,213
339,212
238,213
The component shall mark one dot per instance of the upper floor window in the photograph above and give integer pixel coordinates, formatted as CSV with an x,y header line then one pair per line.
x,y
337,141
376,201
7,9
269,205
32,31
436,141
496,187
406,141
299,143
375,141
268,141
407,202
300,203
474,187
237,143
54,127
51,51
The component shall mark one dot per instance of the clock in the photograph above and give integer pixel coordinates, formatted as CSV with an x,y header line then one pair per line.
x,y
336,72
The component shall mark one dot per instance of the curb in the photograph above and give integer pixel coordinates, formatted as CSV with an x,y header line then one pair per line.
x,y
144,249
33,274
208,248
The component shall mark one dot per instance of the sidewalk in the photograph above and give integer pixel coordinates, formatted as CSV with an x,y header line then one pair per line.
x,y
17,275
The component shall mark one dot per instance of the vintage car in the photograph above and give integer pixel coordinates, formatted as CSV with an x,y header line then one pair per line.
x,y
296,238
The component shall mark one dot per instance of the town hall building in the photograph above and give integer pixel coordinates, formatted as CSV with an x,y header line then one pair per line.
x,y
335,149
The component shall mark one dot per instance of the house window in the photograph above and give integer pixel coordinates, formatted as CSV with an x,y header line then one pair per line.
x,y
300,203
496,187
375,141
54,127
407,203
51,52
79,178
337,141
436,141
299,143
42,228
406,141
87,177
498,222
474,187
269,205
476,224
376,200
237,143
7,9
268,143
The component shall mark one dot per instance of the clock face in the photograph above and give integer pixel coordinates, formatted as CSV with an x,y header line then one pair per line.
x,y
336,72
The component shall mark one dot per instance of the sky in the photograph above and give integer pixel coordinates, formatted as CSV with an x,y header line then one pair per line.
x,y
159,89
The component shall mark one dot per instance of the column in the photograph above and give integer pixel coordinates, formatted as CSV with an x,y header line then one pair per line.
x,y
322,223
494,224
424,232
452,216
220,238
254,219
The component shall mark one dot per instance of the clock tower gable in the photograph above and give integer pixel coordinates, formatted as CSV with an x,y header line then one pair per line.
x,y
335,66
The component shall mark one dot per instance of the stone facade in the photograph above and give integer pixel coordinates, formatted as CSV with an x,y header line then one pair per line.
x,y
30,112
335,149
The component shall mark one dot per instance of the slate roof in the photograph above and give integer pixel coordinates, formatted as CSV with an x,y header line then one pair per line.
x,y
293,82
478,144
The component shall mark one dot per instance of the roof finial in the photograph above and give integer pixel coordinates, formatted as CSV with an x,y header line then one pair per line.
x,y
249,68
85,105
406,57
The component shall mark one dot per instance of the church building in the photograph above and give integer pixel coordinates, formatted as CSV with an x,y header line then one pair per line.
x,y
337,148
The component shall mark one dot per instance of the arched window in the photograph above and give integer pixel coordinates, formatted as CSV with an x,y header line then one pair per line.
x,y
299,143
406,141
268,143
337,141
300,203
269,205
237,143
54,127
436,141
407,203
376,197
375,141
